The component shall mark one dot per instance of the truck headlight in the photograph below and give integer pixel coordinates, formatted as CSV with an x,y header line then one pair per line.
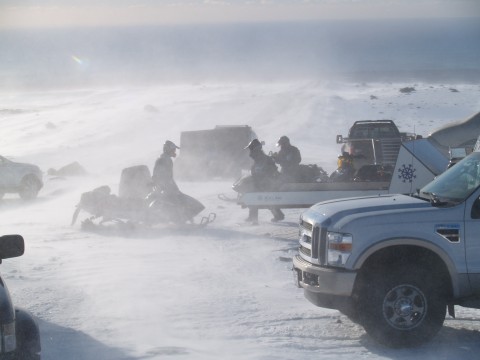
x,y
8,337
339,248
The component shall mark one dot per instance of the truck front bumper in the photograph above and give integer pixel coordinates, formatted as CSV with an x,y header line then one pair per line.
x,y
325,287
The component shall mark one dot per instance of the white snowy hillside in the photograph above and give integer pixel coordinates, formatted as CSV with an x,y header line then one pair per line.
x,y
108,129
221,292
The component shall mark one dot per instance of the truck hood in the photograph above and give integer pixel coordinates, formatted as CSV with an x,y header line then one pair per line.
x,y
27,168
390,204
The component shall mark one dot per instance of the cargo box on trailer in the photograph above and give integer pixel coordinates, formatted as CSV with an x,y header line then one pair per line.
x,y
215,153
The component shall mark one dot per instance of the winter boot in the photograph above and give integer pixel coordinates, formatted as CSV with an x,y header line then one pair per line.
x,y
277,214
252,215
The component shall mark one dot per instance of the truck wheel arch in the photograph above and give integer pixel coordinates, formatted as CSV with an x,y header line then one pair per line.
x,y
398,251
28,335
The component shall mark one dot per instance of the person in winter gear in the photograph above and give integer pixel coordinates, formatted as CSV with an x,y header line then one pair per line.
x,y
263,170
345,170
264,173
184,206
289,159
163,170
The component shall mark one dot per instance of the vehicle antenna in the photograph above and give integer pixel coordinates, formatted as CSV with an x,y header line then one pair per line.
x,y
413,153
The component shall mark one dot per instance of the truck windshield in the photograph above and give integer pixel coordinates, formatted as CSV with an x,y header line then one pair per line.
x,y
456,184
373,132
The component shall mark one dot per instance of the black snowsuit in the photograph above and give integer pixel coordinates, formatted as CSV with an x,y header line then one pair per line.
x,y
289,159
264,171
265,176
183,206
163,175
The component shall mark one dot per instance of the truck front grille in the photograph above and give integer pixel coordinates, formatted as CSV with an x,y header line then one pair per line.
x,y
322,239
305,251
315,241
312,242
306,225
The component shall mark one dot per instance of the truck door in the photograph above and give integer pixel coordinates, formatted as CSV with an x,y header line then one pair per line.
x,y
472,238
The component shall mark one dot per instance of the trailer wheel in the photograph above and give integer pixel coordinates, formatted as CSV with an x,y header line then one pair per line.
x,y
403,309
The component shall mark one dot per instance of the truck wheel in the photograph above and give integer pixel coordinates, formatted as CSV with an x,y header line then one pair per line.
x,y
29,188
403,308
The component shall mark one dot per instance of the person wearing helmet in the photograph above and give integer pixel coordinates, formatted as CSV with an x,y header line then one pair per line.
x,y
289,159
182,205
345,170
254,145
163,170
264,174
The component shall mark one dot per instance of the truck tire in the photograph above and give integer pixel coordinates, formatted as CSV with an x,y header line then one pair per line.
x,y
29,187
403,308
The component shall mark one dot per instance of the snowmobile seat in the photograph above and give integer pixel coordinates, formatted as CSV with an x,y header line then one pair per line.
x,y
135,182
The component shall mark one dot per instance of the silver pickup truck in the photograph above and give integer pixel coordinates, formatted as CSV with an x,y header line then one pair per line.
x,y
396,263
21,178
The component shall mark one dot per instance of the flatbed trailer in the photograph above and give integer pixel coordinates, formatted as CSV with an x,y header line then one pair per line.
x,y
418,162
305,195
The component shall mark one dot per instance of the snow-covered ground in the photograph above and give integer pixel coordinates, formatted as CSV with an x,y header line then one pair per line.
x,y
221,292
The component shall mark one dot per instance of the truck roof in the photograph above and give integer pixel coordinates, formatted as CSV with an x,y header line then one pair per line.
x,y
365,129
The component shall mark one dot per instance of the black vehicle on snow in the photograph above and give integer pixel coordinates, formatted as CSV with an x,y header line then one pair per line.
x,y
19,333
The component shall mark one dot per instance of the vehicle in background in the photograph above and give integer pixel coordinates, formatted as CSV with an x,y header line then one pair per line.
x,y
215,153
19,333
373,142
21,178
457,154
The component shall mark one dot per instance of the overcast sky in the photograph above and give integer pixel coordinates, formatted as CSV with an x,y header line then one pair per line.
x,y
58,13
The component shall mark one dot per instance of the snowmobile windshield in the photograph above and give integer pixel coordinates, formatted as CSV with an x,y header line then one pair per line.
x,y
456,184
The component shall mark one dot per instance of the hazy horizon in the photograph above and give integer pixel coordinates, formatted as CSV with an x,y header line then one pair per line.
x,y
61,13
356,50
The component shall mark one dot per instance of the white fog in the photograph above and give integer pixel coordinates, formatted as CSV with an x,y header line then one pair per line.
x,y
224,291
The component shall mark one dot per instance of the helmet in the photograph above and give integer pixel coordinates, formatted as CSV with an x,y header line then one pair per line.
x,y
169,147
283,141
254,144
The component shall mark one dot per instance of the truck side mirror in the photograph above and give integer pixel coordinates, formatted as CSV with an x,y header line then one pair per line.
x,y
11,246
339,139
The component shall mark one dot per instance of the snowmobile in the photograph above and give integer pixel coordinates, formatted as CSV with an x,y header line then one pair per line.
x,y
307,174
139,204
